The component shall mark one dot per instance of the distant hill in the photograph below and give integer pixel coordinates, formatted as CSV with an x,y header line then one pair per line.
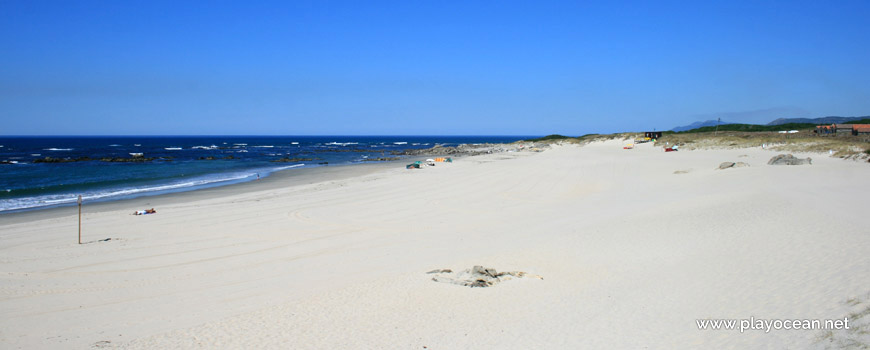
x,y
753,127
697,125
817,121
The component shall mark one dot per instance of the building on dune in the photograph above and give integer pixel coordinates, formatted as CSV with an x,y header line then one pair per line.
x,y
843,129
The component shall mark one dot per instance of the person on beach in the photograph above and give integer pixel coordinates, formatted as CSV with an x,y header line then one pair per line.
x,y
146,211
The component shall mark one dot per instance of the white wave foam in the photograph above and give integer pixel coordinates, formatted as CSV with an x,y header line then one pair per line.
x,y
266,146
294,143
289,166
57,149
205,147
60,199
172,148
400,143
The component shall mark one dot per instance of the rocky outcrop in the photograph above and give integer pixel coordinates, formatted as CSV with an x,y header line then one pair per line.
x,y
61,160
126,160
727,165
381,159
788,159
470,150
478,276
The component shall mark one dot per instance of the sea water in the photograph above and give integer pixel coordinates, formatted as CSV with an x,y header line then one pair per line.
x,y
180,163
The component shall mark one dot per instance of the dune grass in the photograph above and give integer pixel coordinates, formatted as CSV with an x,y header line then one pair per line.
x,y
843,146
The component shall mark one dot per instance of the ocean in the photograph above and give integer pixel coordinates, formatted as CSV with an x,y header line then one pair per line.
x,y
98,167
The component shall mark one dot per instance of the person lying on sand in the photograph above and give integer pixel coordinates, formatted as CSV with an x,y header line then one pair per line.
x,y
146,211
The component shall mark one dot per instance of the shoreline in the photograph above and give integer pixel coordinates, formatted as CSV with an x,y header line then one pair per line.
x,y
633,246
281,178
461,150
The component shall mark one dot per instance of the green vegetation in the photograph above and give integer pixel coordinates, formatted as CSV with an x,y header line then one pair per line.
x,y
758,128
753,127
550,137
587,137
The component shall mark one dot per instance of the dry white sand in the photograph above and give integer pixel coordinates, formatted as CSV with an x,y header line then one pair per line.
x,y
631,254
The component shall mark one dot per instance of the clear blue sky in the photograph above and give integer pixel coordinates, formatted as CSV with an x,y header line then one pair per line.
x,y
424,67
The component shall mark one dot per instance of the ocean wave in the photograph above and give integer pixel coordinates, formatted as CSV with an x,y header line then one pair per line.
x,y
341,143
114,145
266,146
172,148
400,143
57,149
288,167
294,143
205,147
117,193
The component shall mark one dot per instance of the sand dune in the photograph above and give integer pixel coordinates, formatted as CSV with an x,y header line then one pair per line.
x,y
633,246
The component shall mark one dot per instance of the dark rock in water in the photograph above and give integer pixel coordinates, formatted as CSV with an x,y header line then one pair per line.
x,y
61,160
136,159
788,159
290,160
343,150
323,163
215,158
126,160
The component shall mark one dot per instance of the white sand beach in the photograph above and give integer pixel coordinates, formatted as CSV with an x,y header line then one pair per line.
x,y
633,246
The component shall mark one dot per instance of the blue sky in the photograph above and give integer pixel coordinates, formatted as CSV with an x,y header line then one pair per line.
x,y
424,67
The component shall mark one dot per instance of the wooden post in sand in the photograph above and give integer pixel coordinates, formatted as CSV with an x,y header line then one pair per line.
x,y
80,219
